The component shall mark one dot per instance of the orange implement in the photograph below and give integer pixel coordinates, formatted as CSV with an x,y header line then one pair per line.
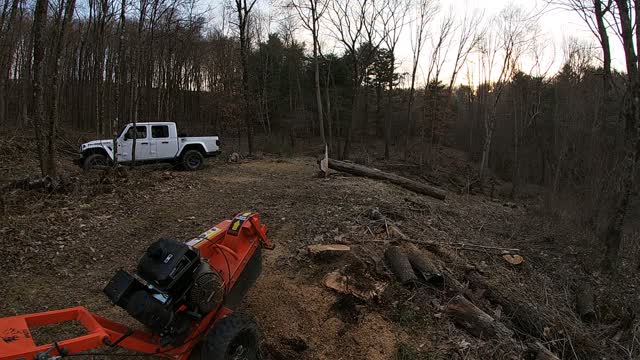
x,y
227,247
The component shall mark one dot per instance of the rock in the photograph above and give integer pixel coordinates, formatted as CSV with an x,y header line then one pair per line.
x,y
234,157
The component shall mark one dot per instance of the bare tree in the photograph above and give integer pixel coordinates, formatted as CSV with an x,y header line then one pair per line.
x,y
243,11
66,9
310,12
440,49
503,46
470,32
353,25
425,11
39,25
8,20
630,115
392,20
594,13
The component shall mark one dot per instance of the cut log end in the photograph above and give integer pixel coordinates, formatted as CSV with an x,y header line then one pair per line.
x,y
400,265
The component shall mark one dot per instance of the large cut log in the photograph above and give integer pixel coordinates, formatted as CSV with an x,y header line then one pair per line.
x,y
412,185
400,265
477,322
424,268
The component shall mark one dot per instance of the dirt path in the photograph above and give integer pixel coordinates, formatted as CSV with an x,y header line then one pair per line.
x,y
64,252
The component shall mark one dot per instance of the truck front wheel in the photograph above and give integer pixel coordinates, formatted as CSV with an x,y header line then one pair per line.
x,y
192,160
95,161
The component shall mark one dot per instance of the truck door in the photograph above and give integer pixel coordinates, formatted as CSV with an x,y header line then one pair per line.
x,y
125,147
163,144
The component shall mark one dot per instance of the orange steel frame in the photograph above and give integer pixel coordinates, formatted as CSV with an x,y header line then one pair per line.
x,y
227,247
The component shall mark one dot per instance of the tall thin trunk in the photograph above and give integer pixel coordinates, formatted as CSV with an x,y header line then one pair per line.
x,y
387,122
120,71
55,86
604,43
412,91
39,24
6,50
328,113
631,112
243,17
316,66
354,107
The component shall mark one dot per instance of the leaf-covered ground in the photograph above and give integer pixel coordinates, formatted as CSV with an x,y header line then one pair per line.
x,y
60,249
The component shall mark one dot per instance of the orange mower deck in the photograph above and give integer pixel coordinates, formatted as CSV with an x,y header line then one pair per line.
x,y
227,247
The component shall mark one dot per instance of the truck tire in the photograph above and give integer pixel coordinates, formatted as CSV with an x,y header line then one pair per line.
x,y
192,160
234,337
94,160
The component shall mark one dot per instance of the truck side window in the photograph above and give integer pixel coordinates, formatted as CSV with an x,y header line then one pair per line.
x,y
160,131
141,133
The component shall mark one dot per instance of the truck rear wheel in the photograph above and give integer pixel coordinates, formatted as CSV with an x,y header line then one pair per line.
x,y
94,161
192,160
234,337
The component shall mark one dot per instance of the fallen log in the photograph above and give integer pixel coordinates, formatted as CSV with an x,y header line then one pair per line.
x,y
542,353
585,303
425,269
45,182
527,317
409,184
400,265
475,321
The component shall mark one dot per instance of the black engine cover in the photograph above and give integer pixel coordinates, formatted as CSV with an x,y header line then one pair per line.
x,y
166,261
166,273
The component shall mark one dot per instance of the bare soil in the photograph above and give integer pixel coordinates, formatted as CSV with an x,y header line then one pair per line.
x,y
60,249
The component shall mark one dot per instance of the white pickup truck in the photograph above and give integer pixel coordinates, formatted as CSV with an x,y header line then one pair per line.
x,y
155,142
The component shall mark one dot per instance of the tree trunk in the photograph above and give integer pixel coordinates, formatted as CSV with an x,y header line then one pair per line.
x,y
387,122
515,173
6,50
631,112
412,90
316,66
328,112
39,24
604,43
354,106
489,125
55,86
244,60
354,116
121,68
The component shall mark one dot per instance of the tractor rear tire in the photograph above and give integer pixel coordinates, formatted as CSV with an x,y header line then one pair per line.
x,y
234,337
192,160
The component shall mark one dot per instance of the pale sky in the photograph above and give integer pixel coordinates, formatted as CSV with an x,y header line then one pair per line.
x,y
556,27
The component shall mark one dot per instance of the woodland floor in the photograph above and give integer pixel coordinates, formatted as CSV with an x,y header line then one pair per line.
x,y
59,250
